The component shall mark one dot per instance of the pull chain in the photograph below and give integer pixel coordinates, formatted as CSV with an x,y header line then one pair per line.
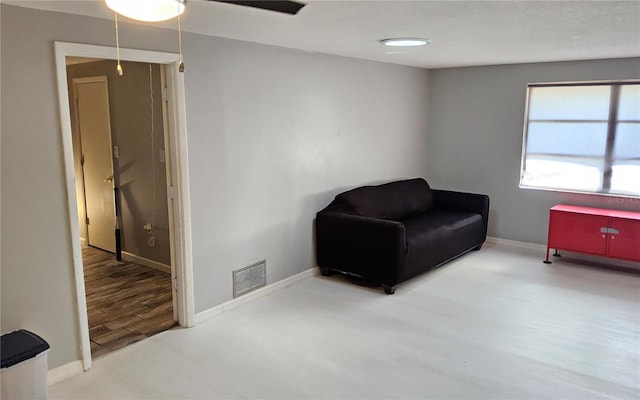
x,y
119,67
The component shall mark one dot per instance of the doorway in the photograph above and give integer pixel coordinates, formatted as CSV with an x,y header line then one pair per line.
x,y
121,178
177,179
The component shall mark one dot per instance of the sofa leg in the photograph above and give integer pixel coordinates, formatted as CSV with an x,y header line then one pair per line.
x,y
389,289
325,271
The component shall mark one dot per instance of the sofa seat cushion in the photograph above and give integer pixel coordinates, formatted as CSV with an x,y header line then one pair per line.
x,y
437,236
392,201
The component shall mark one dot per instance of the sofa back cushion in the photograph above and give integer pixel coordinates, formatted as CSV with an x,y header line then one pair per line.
x,y
393,201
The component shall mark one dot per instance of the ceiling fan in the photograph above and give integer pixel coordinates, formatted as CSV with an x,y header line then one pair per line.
x,y
161,10
287,7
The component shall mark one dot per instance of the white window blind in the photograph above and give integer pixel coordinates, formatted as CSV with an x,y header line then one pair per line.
x,y
582,137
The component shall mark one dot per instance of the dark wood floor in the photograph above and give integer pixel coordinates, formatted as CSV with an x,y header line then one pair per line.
x,y
126,302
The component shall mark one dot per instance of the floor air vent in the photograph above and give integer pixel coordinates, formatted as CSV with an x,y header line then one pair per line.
x,y
249,278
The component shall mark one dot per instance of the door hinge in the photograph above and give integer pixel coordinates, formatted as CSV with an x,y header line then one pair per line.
x,y
86,220
165,94
175,284
170,192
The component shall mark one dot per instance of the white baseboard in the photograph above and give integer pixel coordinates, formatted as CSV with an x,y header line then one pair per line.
x,y
249,297
568,256
63,372
239,301
146,262
527,245
83,241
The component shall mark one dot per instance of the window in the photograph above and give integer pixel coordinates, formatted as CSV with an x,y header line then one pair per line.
x,y
582,137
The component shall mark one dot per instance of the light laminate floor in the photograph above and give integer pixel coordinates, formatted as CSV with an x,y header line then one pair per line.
x,y
494,324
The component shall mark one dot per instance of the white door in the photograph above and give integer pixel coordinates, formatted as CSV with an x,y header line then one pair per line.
x,y
92,104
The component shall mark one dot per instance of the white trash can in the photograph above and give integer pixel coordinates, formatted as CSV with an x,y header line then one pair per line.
x,y
24,366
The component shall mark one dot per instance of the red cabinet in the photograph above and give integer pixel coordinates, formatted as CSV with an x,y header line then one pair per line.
x,y
597,231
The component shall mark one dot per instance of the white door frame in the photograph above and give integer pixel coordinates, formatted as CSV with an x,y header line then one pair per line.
x,y
181,209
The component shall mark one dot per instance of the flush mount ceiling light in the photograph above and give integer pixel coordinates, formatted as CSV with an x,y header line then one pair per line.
x,y
405,42
148,10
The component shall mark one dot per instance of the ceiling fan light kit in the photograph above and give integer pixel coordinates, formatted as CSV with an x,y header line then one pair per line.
x,y
148,10
405,42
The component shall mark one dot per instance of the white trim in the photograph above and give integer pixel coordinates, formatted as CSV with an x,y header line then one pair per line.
x,y
182,201
567,255
109,53
170,172
66,371
74,229
91,79
126,256
178,146
508,242
249,297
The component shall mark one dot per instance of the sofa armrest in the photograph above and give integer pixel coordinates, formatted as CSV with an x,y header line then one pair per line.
x,y
460,201
371,247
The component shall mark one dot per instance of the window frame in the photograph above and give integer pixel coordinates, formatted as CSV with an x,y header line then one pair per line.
x,y
611,122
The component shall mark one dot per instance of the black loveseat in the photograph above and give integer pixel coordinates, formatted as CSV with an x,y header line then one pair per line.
x,y
389,233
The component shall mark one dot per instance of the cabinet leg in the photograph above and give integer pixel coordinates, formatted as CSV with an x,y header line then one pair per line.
x,y
555,254
389,289
546,260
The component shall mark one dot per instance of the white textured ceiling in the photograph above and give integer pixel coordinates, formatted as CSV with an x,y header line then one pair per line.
x,y
463,33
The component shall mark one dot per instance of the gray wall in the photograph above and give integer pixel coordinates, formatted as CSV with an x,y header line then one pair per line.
x,y
476,116
273,135
130,111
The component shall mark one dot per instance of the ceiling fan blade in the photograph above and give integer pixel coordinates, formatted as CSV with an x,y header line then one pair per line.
x,y
287,7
